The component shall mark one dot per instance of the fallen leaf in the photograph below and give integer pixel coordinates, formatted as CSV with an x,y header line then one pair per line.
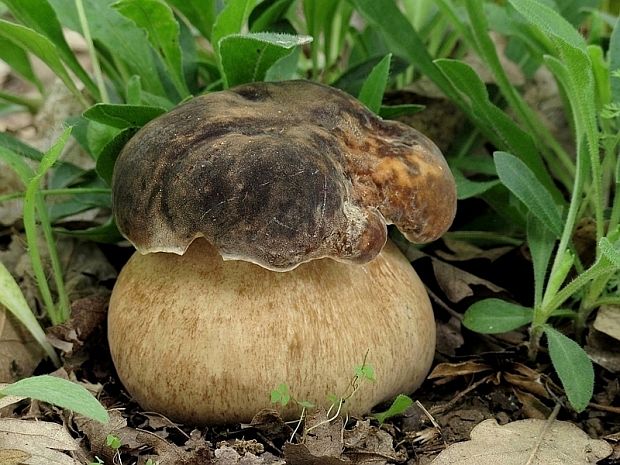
x,y
367,444
35,443
456,283
171,454
462,251
604,350
449,336
271,425
228,456
607,321
97,434
19,352
298,454
323,444
532,406
470,367
525,383
562,443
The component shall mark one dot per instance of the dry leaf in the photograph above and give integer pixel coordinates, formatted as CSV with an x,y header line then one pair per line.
x,y
35,443
228,456
445,370
457,283
449,336
366,444
19,352
171,454
532,406
463,251
562,443
608,321
323,444
604,350
98,432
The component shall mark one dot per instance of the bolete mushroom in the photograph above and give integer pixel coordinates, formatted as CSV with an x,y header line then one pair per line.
x,y
245,186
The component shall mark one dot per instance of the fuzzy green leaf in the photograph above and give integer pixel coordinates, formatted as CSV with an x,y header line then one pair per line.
x,y
613,55
373,88
492,316
230,20
122,116
610,251
121,37
107,157
248,57
573,367
398,407
162,29
59,392
541,242
503,129
201,13
522,182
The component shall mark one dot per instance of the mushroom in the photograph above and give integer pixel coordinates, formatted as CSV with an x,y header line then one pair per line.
x,y
273,199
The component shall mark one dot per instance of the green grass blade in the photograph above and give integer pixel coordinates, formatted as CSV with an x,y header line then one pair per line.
x,y
33,203
13,299
40,16
43,48
613,55
19,62
60,392
573,367
373,88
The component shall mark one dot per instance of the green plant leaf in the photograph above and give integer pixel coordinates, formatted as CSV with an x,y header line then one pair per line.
x,y
106,233
365,372
248,57
40,46
59,392
281,395
230,20
398,407
403,39
373,88
573,367
522,182
395,111
162,30
267,13
122,38
466,189
15,145
19,62
541,242
352,79
200,13
40,16
613,55
122,116
305,404
109,154
12,298
610,251
492,316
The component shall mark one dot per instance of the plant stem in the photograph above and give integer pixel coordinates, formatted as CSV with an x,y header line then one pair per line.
x,y
65,191
103,93
33,104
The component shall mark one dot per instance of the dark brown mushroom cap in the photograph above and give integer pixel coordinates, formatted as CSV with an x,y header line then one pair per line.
x,y
279,174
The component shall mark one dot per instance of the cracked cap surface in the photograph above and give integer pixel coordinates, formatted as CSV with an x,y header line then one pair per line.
x,y
279,174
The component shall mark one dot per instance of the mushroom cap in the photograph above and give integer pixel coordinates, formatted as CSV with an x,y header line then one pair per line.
x,y
278,174
202,340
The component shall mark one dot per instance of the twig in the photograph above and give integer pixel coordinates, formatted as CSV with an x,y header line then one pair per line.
x,y
460,395
544,430
428,415
605,408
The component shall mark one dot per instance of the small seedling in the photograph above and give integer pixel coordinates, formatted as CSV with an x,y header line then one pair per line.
x,y
398,407
113,442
